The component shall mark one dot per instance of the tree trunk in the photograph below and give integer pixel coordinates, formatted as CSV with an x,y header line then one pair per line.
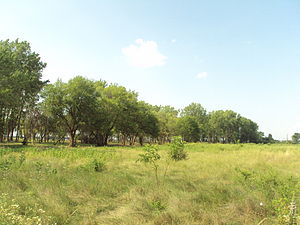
x,y
18,125
141,140
105,140
12,135
99,139
124,140
72,136
131,140
7,132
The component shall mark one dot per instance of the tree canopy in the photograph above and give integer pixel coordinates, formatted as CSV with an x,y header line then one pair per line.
x,y
20,83
96,112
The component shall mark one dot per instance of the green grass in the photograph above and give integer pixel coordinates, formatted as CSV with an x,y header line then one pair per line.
x,y
217,184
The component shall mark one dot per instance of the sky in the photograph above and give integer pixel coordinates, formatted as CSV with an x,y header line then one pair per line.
x,y
237,55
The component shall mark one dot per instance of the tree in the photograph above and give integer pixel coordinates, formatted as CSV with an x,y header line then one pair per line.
x,y
167,120
95,111
147,122
71,102
188,128
20,82
46,126
125,105
265,139
151,156
248,131
198,113
98,125
270,139
296,138
224,126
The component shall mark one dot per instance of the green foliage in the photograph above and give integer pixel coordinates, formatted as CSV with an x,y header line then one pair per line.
x,y
157,205
224,126
177,151
98,165
188,128
71,103
96,112
286,212
248,131
39,167
167,117
296,138
280,190
206,189
117,113
151,156
11,162
285,206
199,114
274,185
20,82
44,168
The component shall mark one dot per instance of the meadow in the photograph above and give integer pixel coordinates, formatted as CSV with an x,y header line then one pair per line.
x,y
217,184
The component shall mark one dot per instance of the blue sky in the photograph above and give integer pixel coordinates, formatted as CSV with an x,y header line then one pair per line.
x,y
239,55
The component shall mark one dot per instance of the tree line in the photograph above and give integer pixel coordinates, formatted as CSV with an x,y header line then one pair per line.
x,y
96,112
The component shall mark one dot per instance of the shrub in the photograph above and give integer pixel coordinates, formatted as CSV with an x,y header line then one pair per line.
x,y
177,152
99,166
157,206
151,156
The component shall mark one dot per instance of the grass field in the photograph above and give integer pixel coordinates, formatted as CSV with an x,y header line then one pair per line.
x,y
217,184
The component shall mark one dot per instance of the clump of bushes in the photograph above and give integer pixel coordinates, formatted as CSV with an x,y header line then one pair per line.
x,y
98,165
175,153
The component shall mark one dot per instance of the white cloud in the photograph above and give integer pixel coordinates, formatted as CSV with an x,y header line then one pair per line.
x,y
144,54
173,40
202,75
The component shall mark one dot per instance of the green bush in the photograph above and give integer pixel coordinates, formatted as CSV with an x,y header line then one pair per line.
x,y
151,156
177,151
99,166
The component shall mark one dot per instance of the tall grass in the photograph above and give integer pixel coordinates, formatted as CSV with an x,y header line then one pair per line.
x,y
217,184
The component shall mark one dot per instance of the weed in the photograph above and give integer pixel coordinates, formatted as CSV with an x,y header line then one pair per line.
x,y
38,166
5,164
245,173
8,163
22,158
157,205
98,166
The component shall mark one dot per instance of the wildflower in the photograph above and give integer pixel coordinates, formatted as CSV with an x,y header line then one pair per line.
x,y
41,210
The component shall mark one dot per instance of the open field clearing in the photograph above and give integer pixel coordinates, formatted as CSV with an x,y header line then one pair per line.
x,y
217,184
85,86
